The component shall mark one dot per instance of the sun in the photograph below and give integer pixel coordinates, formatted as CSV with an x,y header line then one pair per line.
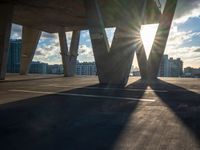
x,y
148,33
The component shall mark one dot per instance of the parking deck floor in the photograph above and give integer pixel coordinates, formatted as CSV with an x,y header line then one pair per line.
x,y
57,113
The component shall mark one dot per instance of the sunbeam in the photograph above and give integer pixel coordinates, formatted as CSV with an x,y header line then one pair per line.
x,y
148,33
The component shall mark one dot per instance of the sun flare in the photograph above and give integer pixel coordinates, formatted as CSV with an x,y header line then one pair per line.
x,y
148,33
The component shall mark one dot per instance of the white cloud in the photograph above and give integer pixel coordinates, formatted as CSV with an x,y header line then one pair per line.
x,y
191,13
177,38
48,49
188,55
85,53
16,32
185,9
175,47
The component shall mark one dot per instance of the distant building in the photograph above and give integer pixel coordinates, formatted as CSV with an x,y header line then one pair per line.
x,y
170,67
164,67
135,71
14,52
55,69
192,72
175,67
38,67
86,68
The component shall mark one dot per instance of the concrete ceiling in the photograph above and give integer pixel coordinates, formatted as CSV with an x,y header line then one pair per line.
x,y
52,15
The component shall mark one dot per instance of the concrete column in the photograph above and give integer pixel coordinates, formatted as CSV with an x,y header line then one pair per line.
x,y
6,12
141,58
69,58
64,51
142,61
127,40
161,39
113,64
121,55
30,38
73,52
99,39
150,14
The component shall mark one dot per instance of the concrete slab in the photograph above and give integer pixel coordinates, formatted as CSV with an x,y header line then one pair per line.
x,y
52,117
52,15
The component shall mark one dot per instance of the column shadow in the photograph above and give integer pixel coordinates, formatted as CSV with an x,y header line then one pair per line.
x,y
67,122
184,104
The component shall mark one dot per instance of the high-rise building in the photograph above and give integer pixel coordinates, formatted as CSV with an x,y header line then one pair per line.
x,y
170,67
13,63
175,67
38,67
86,68
164,67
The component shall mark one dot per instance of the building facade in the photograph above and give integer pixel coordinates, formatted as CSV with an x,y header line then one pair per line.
x,y
38,67
164,67
170,67
175,67
55,69
13,63
86,68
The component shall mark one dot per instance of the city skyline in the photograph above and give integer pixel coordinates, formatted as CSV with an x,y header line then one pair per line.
x,y
183,41
169,66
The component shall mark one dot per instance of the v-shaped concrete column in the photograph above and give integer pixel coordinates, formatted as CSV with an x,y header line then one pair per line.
x,y
30,38
99,40
113,64
69,58
64,51
142,59
6,12
121,54
73,52
161,39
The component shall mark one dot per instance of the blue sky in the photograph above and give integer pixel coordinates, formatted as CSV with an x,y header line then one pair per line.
x,y
183,41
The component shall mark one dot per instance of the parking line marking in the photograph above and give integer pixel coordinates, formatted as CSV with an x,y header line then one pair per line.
x,y
85,95
108,88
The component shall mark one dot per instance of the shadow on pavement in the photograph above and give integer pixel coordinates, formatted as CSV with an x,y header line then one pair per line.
x,y
184,104
29,79
66,122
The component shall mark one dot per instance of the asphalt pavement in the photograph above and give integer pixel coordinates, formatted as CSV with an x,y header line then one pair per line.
x,y
57,113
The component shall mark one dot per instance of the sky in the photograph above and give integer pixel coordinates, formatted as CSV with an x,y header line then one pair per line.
x,y
183,41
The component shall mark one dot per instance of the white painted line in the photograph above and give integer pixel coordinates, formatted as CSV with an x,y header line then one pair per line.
x,y
107,88
84,95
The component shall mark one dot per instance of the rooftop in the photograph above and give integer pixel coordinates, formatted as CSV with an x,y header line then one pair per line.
x,y
53,112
